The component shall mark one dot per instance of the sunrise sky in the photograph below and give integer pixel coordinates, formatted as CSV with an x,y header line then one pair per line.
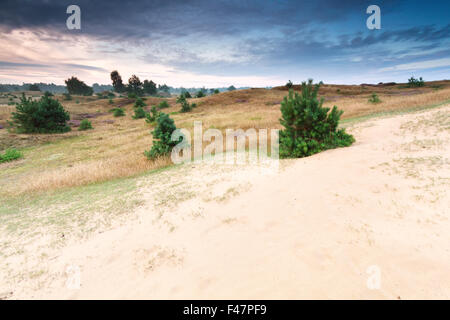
x,y
219,43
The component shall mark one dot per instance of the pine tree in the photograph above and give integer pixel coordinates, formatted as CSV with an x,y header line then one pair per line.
x,y
309,127
162,142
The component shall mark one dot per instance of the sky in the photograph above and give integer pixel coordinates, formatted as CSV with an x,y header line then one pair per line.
x,y
218,43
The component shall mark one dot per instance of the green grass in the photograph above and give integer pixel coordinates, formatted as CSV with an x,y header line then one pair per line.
x,y
10,155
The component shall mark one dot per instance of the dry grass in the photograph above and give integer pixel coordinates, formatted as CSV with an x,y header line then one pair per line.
x,y
115,150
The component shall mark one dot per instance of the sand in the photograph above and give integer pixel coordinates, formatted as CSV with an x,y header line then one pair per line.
x,y
370,221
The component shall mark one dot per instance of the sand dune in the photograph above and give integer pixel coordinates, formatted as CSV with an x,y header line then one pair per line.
x,y
317,229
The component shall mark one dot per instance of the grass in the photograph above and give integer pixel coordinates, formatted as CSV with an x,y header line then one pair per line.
x,y
10,155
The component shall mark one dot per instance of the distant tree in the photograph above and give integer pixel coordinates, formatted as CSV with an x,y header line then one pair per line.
x,y
216,91
289,84
231,88
34,87
200,94
150,87
413,82
135,85
75,86
164,88
117,81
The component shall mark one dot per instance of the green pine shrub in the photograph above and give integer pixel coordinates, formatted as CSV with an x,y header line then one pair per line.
x,y
162,142
45,115
289,84
163,105
374,98
139,113
118,112
309,128
10,155
85,124
139,103
152,115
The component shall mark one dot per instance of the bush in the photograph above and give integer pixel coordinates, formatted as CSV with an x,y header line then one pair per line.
x,y
187,94
413,82
309,127
139,113
152,115
10,155
162,143
45,115
67,96
139,103
110,101
118,112
85,124
200,94
163,105
374,98
132,95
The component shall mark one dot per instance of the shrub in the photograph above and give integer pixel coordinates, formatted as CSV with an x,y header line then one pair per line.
x,y
118,112
216,91
110,101
163,105
67,96
139,103
187,94
132,95
374,98
139,113
289,85
200,94
309,127
413,82
45,115
10,155
85,124
152,115
162,142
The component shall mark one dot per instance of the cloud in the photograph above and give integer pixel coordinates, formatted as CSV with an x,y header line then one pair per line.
x,y
429,64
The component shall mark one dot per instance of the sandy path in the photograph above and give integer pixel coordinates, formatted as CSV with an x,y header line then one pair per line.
x,y
312,230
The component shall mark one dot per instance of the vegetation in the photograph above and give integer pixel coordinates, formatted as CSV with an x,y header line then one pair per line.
x,y
34,87
150,88
163,105
118,112
374,98
139,103
85,124
413,82
309,128
185,106
162,142
152,115
117,81
135,86
46,115
139,113
10,155
67,96
75,86
289,84
231,88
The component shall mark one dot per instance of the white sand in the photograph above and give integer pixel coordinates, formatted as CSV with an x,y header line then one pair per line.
x,y
310,231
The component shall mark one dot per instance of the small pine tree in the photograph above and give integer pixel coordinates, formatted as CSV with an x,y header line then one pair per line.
x,y
152,115
139,103
162,142
374,98
139,113
118,112
46,115
85,124
309,127
163,105
289,84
